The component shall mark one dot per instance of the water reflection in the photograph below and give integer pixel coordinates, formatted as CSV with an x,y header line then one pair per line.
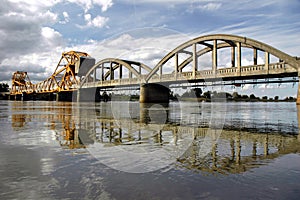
x,y
151,128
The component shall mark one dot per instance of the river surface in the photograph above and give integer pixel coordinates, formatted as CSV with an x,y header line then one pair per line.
x,y
127,150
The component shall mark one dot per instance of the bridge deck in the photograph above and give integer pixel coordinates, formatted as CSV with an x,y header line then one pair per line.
x,y
274,70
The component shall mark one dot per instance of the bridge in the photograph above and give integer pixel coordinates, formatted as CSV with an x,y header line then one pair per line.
x,y
182,64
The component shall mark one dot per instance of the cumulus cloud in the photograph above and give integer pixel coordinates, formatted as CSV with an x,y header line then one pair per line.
x,y
148,49
98,21
23,33
66,18
105,4
89,4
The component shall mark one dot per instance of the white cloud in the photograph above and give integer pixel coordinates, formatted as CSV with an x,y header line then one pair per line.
x,y
89,4
105,4
66,18
27,37
34,5
85,4
210,7
98,21
49,33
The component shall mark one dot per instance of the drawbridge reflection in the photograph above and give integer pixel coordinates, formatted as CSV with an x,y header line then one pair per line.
x,y
153,127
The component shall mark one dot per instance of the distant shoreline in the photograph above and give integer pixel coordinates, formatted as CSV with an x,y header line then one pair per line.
x,y
201,99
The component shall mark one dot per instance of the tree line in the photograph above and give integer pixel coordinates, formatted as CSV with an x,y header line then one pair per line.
x,y
197,93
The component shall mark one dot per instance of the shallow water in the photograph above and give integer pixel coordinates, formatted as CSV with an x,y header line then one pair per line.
x,y
124,150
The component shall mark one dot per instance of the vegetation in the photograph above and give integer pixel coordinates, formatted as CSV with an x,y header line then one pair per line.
x,y
4,87
208,95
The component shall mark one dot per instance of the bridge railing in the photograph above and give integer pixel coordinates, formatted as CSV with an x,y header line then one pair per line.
x,y
244,71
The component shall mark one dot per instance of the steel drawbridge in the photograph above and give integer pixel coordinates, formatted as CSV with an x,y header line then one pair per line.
x,y
66,76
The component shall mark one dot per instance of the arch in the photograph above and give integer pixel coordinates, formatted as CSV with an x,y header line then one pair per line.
x,y
117,63
229,40
208,49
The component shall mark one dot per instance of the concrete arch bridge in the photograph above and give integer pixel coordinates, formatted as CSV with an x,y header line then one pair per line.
x,y
183,64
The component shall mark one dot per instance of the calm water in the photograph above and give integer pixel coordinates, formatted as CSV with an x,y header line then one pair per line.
x,y
124,150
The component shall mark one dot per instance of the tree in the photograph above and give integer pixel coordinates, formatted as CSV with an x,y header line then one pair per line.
x,y
245,96
207,94
198,92
276,98
252,96
236,95
4,87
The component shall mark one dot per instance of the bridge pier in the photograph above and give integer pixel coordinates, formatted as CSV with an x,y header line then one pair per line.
x,y
154,93
298,93
17,97
88,95
64,96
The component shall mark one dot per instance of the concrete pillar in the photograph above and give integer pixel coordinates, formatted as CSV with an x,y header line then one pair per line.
x,y
239,58
254,56
267,61
298,117
102,72
195,63
233,56
64,96
120,71
18,97
112,77
154,93
298,92
215,57
176,65
160,72
94,77
26,97
88,95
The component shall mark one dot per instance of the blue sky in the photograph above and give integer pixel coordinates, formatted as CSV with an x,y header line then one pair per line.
x,y
35,33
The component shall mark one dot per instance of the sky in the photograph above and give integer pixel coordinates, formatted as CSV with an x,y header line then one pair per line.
x,y
34,33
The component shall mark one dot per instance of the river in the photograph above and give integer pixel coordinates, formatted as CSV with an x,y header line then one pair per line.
x,y
127,150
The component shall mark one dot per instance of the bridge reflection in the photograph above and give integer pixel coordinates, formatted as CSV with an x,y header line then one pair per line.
x,y
157,126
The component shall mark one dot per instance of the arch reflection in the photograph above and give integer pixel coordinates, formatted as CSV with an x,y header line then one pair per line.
x,y
83,125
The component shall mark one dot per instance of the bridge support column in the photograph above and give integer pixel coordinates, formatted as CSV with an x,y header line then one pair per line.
x,y
239,58
215,57
298,93
26,97
64,96
154,93
16,97
88,95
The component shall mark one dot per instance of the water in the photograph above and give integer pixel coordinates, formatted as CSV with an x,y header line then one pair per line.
x,y
124,150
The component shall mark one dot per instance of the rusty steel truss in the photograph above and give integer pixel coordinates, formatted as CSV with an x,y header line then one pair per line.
x,y
64,77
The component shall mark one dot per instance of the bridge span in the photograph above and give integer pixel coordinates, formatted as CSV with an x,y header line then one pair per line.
x,y
182,64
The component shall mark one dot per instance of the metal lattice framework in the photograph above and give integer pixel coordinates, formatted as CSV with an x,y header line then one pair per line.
x,y
20,82
63,79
